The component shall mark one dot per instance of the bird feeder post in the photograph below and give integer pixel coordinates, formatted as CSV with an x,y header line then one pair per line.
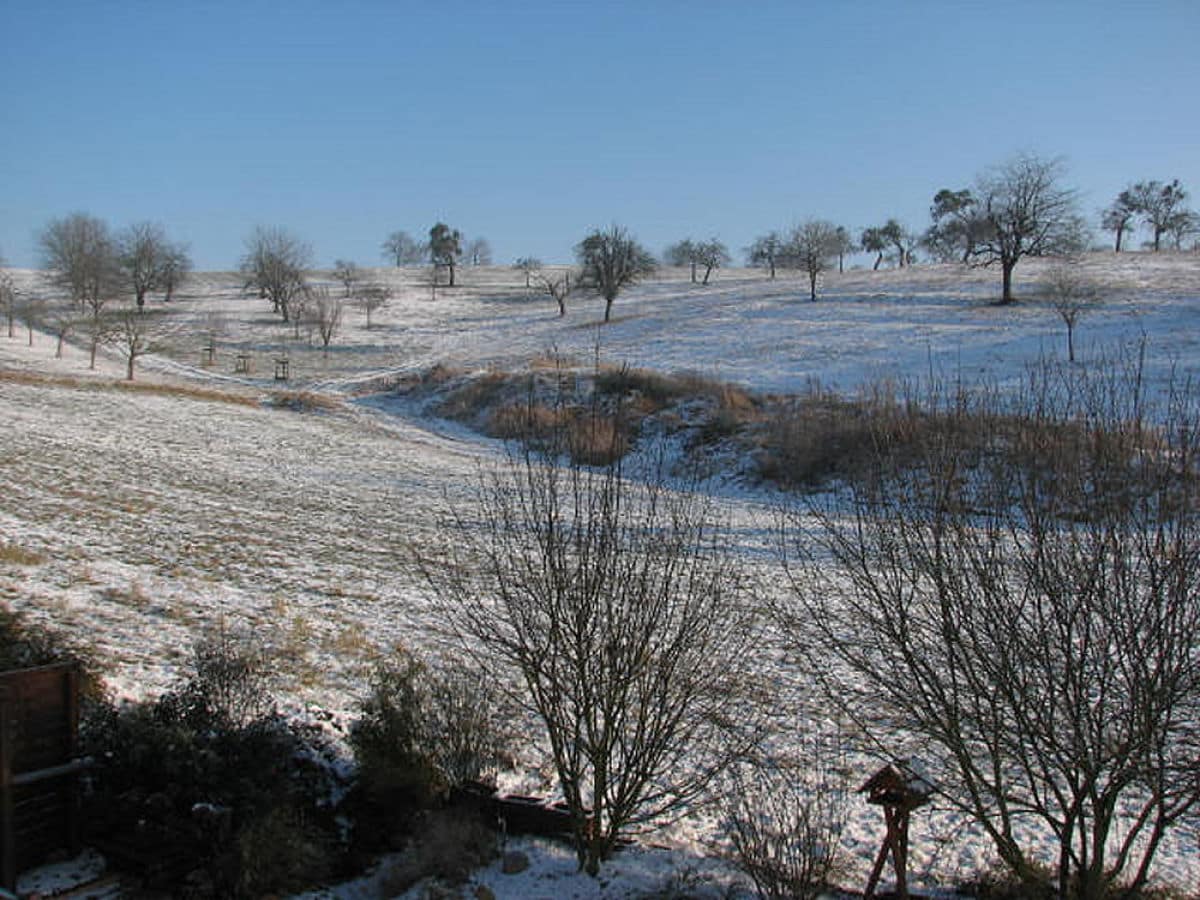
x,y
899,790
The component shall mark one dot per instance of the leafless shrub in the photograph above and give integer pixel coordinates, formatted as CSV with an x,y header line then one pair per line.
x,y
785,827
1027,620
618,608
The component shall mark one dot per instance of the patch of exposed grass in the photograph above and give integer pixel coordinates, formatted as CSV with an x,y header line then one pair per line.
x,y
303,401
184,391
13,553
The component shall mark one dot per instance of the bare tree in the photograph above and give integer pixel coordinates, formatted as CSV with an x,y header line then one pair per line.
x,y
142,250
1183,225
274,263
845,244
559,286
1118,216
403,249
345,271
130,330
618,608
176,268
1026,211
32,311
812,247
81,257
61,319
478,252
8,298
373,297
445,248
612,260
956,226
682,254
1158,204
1018,605
1071,295
874,240
711,254
764,252
528,265
326,315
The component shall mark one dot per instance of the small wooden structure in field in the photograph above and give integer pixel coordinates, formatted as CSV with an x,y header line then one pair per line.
x,y
899,789
39,769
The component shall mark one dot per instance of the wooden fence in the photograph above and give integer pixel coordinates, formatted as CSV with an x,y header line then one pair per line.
x,y
39,769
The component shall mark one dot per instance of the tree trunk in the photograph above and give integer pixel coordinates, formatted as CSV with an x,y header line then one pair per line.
x,y
1006,269
141,298
129,368
772,270
707,272
812,286
1070,342
451,275
1157,234
608,302
878,260
1120,233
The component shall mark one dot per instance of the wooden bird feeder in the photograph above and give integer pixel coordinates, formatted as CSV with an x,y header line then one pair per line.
x,y
899,789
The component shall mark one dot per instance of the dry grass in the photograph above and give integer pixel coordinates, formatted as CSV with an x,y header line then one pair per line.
x,y
303,401
13,553
188,392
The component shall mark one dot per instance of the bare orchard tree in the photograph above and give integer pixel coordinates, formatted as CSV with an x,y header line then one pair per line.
x,y
274,264
1019,607
445,249
1025,211
373,297
326,312
81,257
711,254
611,260
346,272
8,299
1158,204
618,608
1118,217
559,286
32,310
812,247
176,268
403,249
142,250
682,253
528,265
1071,294
765,252
131,331
478,252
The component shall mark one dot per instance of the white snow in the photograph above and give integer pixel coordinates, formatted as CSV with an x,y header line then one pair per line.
x,y
156,513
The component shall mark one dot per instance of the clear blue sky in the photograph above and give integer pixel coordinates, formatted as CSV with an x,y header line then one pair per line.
x,y
529,123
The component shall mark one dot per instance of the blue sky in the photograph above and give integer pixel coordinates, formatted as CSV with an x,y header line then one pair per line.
x,y
529,123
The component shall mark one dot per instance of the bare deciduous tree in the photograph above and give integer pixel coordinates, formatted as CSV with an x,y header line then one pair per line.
x,y
811,247
616,605
403,249
611,260
142,250
274,264
559,286
326,311
1158,204
1018,605
373,297
176,268
478,252
528,265
345,271
711,254
1025,211
81,257
845,245
682,254
445,249
1071,295
764,252
8,299
131,331
1118,216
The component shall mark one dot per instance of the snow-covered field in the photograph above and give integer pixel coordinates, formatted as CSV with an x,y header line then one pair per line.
x,y
146,516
